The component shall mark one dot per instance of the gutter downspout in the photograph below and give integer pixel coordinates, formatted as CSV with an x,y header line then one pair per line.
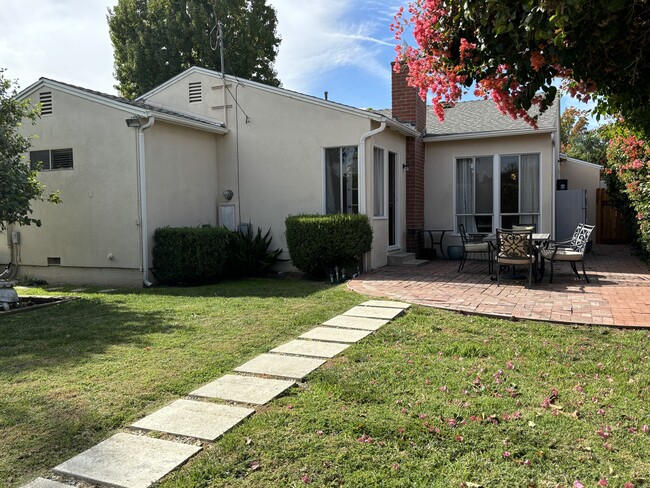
x,y
362,175
144,228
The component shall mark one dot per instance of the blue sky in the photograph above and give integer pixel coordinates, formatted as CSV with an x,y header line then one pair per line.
x,y
342,46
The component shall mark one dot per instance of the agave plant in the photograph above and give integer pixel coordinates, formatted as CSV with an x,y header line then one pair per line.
x,y
250,254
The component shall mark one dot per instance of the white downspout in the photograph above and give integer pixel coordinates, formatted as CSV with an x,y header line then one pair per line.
x,y
362,165
362,175
144,228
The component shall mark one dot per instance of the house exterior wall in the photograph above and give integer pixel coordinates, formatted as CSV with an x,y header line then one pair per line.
x,y
273,156
181,174
390,141
439,175
99,213
582,176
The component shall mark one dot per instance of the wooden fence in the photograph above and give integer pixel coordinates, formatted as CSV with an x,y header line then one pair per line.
x,y
609,221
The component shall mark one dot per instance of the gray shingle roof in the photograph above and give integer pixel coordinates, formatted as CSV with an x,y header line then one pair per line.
x,y
479,116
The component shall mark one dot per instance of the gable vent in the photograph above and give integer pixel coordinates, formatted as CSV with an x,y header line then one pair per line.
x,y
195,92
46,102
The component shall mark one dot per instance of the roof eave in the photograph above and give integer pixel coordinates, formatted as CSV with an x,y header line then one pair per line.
x,y
564,157
485,135
194,124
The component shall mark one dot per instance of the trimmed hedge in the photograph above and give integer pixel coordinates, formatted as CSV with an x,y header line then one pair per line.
x,y
190,255
319,243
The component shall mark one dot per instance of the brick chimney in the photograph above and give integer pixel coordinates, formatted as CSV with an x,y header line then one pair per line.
x,y
409,108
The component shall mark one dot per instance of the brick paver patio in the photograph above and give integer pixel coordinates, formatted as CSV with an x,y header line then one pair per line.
x,y
618,295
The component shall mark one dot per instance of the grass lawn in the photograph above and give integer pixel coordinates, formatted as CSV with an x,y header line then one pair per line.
x,y
432,399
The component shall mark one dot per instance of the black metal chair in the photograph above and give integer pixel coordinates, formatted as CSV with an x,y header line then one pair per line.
x,y
474,244
515,248
571,251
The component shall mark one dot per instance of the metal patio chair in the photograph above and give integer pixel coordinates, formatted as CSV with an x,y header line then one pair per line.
x,y
571,251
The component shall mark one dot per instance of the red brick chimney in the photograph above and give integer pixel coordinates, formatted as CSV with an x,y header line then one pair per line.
x,y
409,108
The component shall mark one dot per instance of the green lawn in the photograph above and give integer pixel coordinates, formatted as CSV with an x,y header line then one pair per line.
x,y
432,399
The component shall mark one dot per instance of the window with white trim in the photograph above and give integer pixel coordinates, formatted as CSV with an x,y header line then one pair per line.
x,y
474,193
342,180
504,194
379,186
51,159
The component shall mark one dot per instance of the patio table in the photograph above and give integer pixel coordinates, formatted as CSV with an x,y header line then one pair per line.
x,y
539,240
440,233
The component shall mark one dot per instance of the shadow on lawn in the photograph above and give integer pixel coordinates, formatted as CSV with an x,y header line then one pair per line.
x,y
291,286
71,332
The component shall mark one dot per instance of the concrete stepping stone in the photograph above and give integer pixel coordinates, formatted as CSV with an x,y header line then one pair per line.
x,y
332,334
246,389
349,322
284,366
127,461
316,349
43,483
201,420
374,312
386,304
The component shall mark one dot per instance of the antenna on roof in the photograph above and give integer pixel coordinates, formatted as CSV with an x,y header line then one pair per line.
x,y
219,44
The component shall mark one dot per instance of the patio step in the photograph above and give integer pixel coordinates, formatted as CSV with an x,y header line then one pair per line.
x,y
400,258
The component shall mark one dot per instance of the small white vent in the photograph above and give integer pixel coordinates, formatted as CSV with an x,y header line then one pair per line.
x,y
195,92
46,102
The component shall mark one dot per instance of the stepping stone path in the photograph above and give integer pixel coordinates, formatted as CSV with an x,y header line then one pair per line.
x,y
126,460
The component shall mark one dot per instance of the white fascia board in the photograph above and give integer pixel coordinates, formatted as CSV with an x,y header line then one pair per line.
x,y
132,109
125,107
194,124
486,135
564,157
285,93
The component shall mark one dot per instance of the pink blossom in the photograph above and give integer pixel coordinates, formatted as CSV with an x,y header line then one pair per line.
x,y
602,482
509,365
506,454
645,429
628,485
577,484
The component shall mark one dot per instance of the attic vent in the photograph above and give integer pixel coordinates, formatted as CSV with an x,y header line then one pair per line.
x,y
195,92
62,158
46,103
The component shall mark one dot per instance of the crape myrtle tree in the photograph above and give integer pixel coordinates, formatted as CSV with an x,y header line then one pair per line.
x,y
154,40
18,184
513,50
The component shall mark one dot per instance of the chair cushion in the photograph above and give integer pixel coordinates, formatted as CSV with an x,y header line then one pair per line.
x,y
515,260
477,247
562,255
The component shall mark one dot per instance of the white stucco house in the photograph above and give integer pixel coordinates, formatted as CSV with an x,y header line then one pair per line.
x,y
202,149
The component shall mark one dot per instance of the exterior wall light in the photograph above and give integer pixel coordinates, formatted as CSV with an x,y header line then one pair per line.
x,y
228,194
133,122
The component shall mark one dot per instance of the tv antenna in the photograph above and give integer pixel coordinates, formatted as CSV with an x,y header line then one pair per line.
x,y
218,27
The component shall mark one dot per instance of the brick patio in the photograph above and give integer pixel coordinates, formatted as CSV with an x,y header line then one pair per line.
x,y
618,295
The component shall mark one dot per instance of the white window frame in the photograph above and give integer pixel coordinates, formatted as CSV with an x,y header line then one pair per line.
x,y
341,188
496,182
383,211
51,159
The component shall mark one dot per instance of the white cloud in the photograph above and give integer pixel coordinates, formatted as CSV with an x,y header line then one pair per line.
x,y
320,36
62,39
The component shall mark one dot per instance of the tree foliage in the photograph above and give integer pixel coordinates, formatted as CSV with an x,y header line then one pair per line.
x,y
578,141
154,40
512,50
18,184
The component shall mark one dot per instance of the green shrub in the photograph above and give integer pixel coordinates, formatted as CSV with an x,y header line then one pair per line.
x,y
190,255
249,253
319,243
